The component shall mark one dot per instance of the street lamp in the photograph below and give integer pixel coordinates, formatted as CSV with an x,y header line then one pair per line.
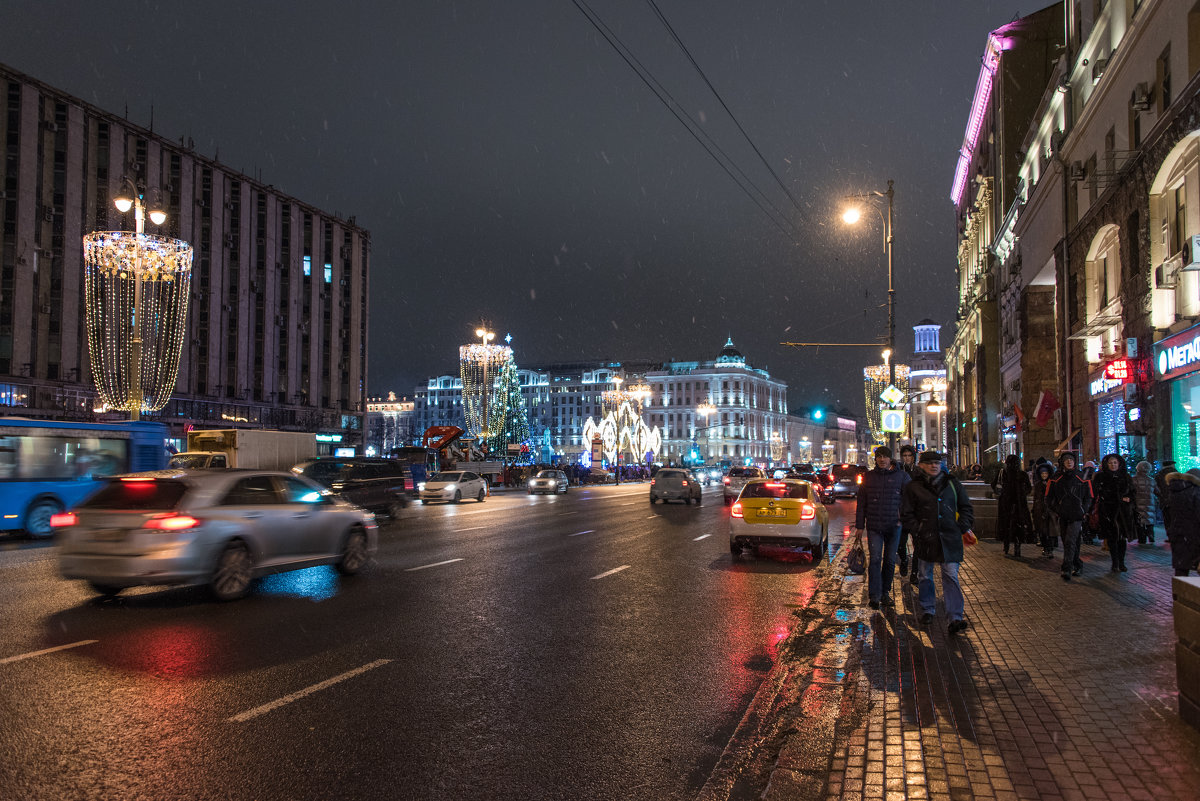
x,y
936,406
704,410
851,216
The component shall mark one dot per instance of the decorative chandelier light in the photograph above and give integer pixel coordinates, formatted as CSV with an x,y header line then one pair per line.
x,y
136,291
480,365
623,429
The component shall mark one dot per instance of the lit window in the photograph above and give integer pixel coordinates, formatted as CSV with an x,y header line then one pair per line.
x,y
308,265
328,273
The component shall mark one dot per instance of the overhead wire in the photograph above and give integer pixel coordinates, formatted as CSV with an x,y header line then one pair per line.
x,y
675,108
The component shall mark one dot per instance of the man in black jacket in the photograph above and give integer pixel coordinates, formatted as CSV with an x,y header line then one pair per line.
x,y
1069,496
878,512
908,463
938,514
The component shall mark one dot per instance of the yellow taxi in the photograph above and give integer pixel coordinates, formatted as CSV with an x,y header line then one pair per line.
x,y
786,512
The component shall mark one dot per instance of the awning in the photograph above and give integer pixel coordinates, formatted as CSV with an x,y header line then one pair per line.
x,y
1065,445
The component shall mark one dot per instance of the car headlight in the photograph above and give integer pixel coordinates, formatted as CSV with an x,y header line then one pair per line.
x,y
553,483
421,486
449,488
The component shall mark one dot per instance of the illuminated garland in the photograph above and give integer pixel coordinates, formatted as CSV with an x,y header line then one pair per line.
x,y
875,381
630,434
509,419
480,366
118,267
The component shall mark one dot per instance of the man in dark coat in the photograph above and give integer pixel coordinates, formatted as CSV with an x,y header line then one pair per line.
x,y
908,463
1164,496
937,513
1069,496
1184,530
878,512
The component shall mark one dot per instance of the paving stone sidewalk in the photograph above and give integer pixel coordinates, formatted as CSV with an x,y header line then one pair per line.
x,y
1057,691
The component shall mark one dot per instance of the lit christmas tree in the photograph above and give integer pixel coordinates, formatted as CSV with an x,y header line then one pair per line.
x,y
508,413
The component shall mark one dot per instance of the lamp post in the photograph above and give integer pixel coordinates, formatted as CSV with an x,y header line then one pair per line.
x,y
852,216
123,201
936,405
704,410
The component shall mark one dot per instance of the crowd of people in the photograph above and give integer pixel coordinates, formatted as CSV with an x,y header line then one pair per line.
x,y
918,499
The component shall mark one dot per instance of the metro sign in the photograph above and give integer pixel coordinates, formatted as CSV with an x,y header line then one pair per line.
x,y
1179,354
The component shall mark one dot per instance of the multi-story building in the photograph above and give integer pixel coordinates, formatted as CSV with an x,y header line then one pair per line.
x,y
277,319
927,389
389,424
1018,60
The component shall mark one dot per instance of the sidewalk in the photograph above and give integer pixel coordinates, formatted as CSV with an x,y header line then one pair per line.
x,y
1056,691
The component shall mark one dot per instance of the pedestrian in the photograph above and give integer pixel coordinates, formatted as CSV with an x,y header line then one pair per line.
x,y
1069,497
938,515
878,512
1012,510
1164,495
1184,530
1143,503
1114,508
1043,520
908,463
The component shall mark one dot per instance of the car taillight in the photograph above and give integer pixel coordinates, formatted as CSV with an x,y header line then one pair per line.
x,y
726,480
807,511
684,483
858,479
774,484
652,482
736,509
171,522
63,519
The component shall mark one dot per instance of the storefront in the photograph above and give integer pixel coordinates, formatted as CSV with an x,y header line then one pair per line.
x,y
1177,368
1113,391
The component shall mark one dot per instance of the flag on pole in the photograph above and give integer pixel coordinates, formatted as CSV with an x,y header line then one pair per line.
x,y
1046,405
1020,417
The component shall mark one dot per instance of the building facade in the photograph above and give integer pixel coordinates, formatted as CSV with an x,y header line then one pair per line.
x,y
389,424
927,389
277,319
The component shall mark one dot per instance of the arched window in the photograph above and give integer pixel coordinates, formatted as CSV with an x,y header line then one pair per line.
x,y
1174,218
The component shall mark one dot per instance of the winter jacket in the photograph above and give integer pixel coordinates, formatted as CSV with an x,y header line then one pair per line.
x,y
1114,500
1041,512
1144,489
1069,495
928,511
879,498
1013,522
1183,530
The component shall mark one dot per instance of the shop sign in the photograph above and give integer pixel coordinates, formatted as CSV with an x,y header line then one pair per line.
x,y
1119,370
1102,385
1178,354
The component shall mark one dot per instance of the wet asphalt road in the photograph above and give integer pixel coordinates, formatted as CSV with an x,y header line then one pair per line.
x,y
587,646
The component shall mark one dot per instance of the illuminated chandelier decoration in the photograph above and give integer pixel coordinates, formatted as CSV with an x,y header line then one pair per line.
x,y
777,447
480,365
875,382
622,428
136,291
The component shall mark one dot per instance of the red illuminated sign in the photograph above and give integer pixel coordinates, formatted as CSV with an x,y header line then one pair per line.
x,y
1119,370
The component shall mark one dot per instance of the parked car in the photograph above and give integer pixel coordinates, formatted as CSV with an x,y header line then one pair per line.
x,y
454,485
846,479
549,481
673,484
378,485
598,475
220,527
770,512
736,478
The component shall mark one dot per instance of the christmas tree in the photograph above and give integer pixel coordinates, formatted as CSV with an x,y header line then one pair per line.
x,y
510,419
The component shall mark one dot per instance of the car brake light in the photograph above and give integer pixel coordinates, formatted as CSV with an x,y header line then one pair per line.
x,y
736,509
684,483
63,519
858,479
726,480
171,522
136,480
774,484
652,482
807,511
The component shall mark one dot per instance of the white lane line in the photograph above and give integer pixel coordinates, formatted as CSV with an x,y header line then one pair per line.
x,y
631,503
610,572
651,517
474,528
577,533
702,536
287,699
560,514
435,564
32,654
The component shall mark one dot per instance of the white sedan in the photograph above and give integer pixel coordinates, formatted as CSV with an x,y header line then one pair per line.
x,y
452,486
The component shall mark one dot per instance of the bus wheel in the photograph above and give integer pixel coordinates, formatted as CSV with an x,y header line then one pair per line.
x,y
37,517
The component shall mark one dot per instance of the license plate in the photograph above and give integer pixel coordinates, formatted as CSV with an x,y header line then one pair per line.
x,y
108,535
772,513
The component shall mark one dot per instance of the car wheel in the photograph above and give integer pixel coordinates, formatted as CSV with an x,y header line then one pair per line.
x,y
37,518
735,549
652,499
354,552
481,496
104,590
233,575
457,496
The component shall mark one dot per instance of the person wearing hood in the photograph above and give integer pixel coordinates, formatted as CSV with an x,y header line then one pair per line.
x,y
1183,532
878,512
936,511
1143,504
1114,507
1013,522
1069,497
1043,521
1164,495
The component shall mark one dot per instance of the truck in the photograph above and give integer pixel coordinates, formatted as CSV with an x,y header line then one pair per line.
x,y
245,447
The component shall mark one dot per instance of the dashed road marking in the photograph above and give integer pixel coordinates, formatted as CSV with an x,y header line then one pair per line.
x,y
610,572
435,564
702,536
32,654
577,533
473,528
287,699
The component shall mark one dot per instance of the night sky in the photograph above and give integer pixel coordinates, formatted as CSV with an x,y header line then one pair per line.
x,y
513,168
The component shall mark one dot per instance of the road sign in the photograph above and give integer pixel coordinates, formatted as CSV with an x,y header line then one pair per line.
x,y
891,396
892,420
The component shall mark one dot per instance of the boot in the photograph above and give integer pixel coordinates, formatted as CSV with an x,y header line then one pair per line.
x,y
1017,551
1006,547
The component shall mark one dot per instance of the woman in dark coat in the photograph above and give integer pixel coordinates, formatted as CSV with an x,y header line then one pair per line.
x,y
1183,532
1043,522
1013,524
1114,507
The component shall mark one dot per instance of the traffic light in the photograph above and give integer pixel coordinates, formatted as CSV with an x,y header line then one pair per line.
x,y
818,414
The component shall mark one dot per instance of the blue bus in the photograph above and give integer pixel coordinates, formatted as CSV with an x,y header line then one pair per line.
x,y
48,466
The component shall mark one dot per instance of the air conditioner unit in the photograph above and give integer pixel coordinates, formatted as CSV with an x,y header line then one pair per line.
x,y
52,127
1167,273
48,214
229,241
1078,172
345,252
1098,67
1140,100
45,308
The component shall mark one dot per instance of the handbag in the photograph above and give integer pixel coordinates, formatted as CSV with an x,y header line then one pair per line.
x,y
856,560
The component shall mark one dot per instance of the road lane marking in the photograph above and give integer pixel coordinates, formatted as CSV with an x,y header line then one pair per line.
x,y
435,564
560,514
702,536
577,533
474,528
287,699
651,517
610,572
32,654
631,503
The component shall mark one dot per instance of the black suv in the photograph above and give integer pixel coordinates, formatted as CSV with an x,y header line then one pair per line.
x,y
377,485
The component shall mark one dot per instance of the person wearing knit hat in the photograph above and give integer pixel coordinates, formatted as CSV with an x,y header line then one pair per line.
x,y
878,513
